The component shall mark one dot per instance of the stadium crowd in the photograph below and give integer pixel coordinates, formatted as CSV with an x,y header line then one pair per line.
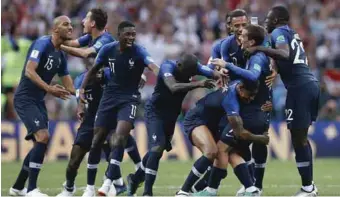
x,y
167,28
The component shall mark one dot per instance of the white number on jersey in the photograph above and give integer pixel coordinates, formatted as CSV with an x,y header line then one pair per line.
x,y
298,45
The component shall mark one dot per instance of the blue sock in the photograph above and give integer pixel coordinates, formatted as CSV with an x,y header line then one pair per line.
x,y
36,160
200,166
251,169
92,165
217,174
203,182
107,150
23,174
242,173
151,172
303,160
139,175
132,150
260,153
114,167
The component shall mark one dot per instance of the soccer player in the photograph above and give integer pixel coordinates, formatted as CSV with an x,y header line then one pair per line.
x,y
161,112
255,119
44,60
302,90
201,124
120,98
95,37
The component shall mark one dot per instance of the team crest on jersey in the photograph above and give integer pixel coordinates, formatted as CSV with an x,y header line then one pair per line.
x,y
131,63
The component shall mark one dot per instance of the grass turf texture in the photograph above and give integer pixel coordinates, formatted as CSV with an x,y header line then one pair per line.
x,y
281,178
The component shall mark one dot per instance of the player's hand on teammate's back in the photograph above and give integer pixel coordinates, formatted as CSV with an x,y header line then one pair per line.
x,y
207,83
82,98
59,91
271,78
267,107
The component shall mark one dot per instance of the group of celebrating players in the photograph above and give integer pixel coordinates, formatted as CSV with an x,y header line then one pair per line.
x,y
222,125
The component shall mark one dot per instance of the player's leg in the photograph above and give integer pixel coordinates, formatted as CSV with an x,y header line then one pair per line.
x,y
132,150
134,180
35,119
125,117
259,152
18,189
218,171
202,138
242,173
301,111
94,157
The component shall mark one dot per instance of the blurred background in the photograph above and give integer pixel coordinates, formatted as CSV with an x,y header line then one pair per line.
x,y
167,28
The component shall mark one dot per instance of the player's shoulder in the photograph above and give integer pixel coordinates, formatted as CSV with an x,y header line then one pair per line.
x,y
44,40
110,45
168,64
260,56
228,40
108,37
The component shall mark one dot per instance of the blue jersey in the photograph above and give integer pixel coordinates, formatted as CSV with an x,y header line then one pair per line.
x,y
215,51
86,40
50,62
232,52
94,91
257,69
294,71
126,68
162,98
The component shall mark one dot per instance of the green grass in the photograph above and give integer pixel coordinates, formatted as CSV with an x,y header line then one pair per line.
x,y
281,178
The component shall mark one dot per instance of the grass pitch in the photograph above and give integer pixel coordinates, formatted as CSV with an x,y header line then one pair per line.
x,y
281,178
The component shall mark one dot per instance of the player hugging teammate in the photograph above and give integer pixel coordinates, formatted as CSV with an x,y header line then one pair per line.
x,y
222,125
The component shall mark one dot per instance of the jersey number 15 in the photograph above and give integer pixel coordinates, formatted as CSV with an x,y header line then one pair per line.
x,y
298,45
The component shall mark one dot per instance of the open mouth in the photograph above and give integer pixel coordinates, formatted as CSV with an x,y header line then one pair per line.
x,y
129,42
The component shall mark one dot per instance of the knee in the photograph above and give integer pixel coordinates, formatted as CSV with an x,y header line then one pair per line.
x,y
119,139
42,136
299,141
211,152
98,138
73,164
158,149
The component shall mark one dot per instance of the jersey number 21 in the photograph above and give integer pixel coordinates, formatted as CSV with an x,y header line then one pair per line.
x,y
297,45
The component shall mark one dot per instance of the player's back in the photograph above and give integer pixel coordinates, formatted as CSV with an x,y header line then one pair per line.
x,y
294,71
210,107
162,98
50,62
126,68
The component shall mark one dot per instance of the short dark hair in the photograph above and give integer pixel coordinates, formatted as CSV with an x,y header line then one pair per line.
x,y
251,86
188,59
238,13
227,18
124,24
281,13
99,16
256,32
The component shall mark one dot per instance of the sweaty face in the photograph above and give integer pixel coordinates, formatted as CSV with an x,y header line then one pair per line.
x,y
65,29
88,24
127,36
237,24
269,23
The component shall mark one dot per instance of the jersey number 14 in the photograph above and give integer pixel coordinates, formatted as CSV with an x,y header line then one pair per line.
x,y
298,45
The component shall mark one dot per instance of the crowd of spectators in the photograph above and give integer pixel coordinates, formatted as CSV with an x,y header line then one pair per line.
x,y
167,28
